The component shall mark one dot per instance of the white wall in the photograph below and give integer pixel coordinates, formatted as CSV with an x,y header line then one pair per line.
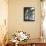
x,y
16,21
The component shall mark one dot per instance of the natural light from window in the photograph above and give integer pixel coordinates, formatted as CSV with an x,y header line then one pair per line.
x,y
3,18
44,21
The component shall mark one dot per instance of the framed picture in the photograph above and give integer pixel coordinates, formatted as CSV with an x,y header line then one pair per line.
x,y
29,13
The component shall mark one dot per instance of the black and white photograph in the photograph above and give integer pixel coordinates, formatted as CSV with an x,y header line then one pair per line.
x,y
29,13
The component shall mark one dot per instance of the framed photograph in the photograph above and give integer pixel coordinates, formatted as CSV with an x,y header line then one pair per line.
x,y
29,13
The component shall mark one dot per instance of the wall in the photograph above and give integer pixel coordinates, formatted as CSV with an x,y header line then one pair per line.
x,y
16,21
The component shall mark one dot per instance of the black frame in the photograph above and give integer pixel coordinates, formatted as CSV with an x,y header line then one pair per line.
x,y
29,13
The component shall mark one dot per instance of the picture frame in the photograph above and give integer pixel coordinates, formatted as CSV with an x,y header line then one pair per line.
x,y
29,14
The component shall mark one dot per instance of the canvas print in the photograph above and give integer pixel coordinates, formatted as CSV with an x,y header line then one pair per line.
x,y
29,13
